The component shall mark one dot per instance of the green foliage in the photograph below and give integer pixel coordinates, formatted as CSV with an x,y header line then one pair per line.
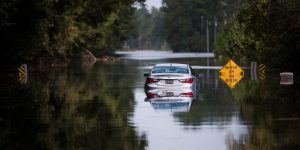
x,y
234,42
273,32
63,27
186,22
149,33
183,24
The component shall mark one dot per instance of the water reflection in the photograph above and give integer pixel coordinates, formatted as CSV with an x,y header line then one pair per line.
x,y
181,105
72,109
211,121
273,113
254,115
175,100
207,125
103,107
154,55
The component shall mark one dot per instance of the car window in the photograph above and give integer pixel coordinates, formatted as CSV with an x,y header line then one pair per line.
x,y
170,69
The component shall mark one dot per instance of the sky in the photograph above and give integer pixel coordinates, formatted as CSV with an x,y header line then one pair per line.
x,y
155,3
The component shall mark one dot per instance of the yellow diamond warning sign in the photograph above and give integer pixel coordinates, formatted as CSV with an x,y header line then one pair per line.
x,y
231,73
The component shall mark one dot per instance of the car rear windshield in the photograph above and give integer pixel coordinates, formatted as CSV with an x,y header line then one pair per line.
x,y
170,69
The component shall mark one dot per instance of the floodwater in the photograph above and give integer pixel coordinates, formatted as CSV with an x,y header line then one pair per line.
x,y
103,107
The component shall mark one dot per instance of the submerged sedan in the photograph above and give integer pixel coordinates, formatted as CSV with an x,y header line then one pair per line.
x,y
171,75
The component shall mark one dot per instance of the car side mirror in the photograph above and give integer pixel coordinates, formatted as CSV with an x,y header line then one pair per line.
x,y
146,74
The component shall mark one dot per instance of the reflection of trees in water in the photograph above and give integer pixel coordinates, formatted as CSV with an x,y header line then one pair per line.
x,y
270,110
273,112
216,108
74,110
234,144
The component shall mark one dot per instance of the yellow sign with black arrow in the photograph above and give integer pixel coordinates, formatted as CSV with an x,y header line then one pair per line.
x,y
231,73
22,74
262,71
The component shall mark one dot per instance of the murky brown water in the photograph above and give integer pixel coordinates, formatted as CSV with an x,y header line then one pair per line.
x,y
103,107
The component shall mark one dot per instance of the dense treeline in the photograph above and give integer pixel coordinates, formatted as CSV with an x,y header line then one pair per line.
x,y
62,28
181,25
149,33
267,31
187,23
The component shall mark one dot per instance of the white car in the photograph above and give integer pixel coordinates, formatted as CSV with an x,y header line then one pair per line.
x,y
171,75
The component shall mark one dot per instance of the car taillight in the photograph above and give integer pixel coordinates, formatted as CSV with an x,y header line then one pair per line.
x,y
151,95
188,94
151,80
188,80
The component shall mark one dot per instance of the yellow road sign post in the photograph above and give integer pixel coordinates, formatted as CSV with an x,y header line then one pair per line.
x,y
231,73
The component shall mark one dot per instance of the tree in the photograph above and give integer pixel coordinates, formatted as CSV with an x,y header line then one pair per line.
x,y
62,28
149,33
272,32
185,22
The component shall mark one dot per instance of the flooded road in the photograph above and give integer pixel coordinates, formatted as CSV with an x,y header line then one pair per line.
x,y
103,107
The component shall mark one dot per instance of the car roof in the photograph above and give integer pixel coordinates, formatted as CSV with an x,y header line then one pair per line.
x,y
172,64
